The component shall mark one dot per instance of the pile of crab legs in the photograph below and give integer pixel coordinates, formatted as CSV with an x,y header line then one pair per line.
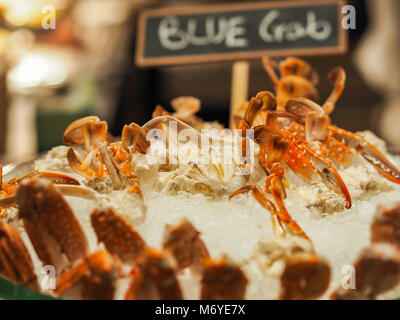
x,y
59,241
295,132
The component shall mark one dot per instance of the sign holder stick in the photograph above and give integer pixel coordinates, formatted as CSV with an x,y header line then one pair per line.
x,y
239,87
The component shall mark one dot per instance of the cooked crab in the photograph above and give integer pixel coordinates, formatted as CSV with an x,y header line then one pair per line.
x,y
312,123
339,145
279,147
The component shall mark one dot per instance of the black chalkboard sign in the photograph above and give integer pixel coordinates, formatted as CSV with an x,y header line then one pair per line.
x,y
239,31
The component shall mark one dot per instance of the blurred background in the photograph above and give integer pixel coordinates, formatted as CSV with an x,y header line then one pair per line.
x,y
85,66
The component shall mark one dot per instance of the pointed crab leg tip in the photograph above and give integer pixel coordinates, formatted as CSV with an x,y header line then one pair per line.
x,y
244,189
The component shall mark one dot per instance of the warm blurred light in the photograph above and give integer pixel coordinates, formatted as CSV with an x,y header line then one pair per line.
x,y
37,69
28,12
4,37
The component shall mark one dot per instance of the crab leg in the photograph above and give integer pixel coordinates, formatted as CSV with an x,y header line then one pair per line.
x,y
185,244
222,280
15,260
97,274
304,161
381,163
330,176
117,235
278,216
53,177
8,189
65,190
270,66
274,185
306,276
153,278
50,224
338,77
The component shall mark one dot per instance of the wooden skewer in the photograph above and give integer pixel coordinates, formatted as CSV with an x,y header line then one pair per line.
x,y
239,87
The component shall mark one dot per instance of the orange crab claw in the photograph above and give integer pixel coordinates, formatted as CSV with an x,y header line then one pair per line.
x,y
330,176
338,77
381,163
278,216
263,101
8,188
275,187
